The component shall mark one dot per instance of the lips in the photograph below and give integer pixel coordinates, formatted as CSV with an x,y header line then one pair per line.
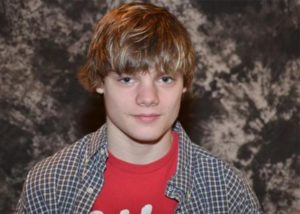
x,y
146,118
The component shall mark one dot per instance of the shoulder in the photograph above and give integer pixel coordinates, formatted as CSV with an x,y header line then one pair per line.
x,y
206,160
49,178
48,172
214,167
222,179
210,168
69,155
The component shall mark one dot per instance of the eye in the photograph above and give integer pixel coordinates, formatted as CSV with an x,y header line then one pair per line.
x,y
166,79
126,80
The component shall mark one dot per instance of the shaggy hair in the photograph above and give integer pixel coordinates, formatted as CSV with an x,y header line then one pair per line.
x,y
136,37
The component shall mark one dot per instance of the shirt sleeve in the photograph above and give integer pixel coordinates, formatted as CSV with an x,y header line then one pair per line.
x,y
240,196
20,206
32,197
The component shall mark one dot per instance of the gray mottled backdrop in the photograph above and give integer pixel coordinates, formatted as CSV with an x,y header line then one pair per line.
x,y
246,103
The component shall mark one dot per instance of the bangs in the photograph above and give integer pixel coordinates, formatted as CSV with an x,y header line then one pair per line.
x,y
155,44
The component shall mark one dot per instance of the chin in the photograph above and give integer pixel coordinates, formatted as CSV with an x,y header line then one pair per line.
x,y
147,136
146,140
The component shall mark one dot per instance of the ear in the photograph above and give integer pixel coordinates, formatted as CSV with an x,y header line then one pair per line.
x,y
99,90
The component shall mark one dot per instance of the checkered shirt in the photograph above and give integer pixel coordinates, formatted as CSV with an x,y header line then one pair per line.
x,y
70,180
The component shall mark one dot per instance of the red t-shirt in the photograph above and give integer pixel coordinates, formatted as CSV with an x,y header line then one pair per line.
x,y
137,189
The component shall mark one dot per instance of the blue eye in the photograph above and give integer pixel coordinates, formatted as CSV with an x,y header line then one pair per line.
x,y
166,79
126,80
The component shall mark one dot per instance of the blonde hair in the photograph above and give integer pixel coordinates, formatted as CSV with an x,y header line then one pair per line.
x,y
135,37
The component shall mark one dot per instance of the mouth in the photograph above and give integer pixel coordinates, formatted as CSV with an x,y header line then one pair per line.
x,y
146,118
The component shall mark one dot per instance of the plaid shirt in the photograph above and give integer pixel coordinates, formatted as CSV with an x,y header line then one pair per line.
x,y
70,180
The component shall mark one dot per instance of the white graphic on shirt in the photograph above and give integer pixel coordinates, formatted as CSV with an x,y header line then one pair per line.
x,y
96,212
147,209
124,212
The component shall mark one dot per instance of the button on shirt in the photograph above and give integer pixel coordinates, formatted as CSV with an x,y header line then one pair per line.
x,y
69,181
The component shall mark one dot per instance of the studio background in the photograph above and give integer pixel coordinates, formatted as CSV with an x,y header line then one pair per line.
x,y
245,106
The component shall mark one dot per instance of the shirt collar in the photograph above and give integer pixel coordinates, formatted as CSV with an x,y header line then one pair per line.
x,y
98,143
180,185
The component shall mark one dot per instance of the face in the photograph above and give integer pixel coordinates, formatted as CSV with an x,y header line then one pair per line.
x,y
142,107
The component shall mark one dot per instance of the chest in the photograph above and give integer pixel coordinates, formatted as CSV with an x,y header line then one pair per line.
x,y
138,189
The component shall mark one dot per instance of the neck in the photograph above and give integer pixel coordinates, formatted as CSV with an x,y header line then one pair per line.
x,y
134,151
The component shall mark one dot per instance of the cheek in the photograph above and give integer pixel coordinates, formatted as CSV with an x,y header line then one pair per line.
x,y
172,101
116,100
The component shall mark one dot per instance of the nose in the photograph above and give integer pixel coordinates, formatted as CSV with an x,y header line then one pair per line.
x,y
147,95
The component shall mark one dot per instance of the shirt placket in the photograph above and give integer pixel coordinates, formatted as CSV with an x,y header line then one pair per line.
x,y
92,182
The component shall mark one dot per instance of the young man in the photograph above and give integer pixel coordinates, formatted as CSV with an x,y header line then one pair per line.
x,y
141,161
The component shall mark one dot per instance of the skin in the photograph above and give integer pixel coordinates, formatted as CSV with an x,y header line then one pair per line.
x,y
141,109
